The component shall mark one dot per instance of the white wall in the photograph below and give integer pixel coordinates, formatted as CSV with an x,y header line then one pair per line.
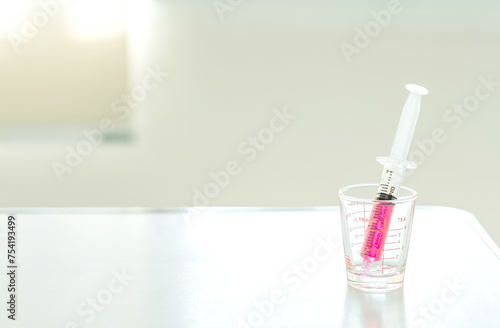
x,y
226,77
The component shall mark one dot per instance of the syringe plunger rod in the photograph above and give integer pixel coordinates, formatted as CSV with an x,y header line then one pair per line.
x,y
407,122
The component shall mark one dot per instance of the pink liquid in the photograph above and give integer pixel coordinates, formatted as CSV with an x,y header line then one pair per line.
x,y
378,226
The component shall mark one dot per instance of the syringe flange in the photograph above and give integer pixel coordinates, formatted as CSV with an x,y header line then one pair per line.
x,y
401,162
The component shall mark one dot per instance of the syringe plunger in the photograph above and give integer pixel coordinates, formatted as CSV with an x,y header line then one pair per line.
x,y
407,122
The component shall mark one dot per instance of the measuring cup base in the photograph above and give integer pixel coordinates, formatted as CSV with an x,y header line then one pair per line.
x,y
375,284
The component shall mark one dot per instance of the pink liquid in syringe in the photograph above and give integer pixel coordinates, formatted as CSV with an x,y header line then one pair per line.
x,y
378,226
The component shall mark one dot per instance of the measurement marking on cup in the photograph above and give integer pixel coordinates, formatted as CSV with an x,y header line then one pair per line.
x,y
356,212
392,249
364,215
394,242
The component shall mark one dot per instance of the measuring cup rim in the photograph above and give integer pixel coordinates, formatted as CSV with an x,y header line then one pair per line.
x,y
402,199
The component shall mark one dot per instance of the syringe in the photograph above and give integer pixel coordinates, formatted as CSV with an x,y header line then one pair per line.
x,y
392,176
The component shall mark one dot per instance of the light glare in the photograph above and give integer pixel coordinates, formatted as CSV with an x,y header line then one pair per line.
x,y
10,13
96,19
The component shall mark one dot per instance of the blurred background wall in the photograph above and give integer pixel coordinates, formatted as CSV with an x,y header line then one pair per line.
x,y
256,103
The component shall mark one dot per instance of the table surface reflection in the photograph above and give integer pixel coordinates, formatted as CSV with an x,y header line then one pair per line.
x,y
240,267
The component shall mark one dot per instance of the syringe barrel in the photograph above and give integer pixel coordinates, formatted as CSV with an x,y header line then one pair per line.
x,y
391,180
376,234
380,218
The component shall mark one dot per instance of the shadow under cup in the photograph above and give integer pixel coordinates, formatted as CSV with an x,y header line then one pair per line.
x,y
376,236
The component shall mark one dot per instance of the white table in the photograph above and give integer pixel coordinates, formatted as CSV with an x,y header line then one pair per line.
x,y
140,268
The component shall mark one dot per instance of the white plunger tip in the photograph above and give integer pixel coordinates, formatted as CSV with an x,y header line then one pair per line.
x,y
413,88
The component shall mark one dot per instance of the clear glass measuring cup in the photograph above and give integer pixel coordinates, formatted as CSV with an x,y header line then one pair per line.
x,y
376,236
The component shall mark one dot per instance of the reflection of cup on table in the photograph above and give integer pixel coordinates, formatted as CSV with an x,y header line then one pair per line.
x,y
376,235
374,310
